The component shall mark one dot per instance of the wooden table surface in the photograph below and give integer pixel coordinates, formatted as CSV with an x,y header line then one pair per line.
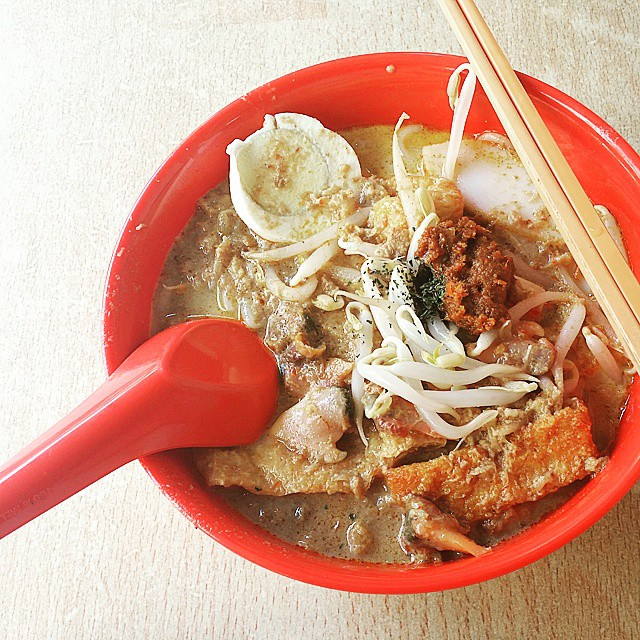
x,y
94,95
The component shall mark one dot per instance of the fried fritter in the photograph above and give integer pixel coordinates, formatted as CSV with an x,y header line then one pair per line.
x,y
475,483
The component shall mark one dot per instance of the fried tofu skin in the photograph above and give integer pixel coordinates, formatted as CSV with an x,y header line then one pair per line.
x,y
473,483
270,467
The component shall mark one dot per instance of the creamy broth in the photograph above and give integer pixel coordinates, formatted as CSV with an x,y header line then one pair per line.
x,y
367,526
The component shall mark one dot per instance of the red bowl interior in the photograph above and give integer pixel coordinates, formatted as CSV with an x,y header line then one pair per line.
x,y
371,89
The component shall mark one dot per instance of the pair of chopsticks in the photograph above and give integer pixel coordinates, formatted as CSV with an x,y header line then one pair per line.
x,y
596,254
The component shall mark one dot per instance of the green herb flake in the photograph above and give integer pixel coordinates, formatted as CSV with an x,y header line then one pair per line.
x,y
428,293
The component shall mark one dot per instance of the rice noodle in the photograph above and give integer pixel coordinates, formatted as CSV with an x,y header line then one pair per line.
x,y
524,306
364,345
315,262
566,337
462,105
310,243
602,355
281,291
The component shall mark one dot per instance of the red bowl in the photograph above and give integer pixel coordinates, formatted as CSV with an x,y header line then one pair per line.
x,y
370,89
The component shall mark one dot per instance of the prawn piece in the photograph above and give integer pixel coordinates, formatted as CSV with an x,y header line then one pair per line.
x,y
439,530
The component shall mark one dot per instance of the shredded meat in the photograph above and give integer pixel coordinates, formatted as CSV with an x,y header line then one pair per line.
x,y
439,530
447,197
390,230
534,356
401,419
314,425
301,351
300,375
476,483
478,276
291,329
268,467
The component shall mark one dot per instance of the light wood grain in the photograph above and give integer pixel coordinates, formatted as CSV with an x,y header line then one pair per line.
x,y
94,96
598,257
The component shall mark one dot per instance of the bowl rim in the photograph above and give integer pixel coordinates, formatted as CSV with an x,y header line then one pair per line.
x,y
352,575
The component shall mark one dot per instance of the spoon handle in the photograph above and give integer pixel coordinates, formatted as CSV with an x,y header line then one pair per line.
x,y
103,433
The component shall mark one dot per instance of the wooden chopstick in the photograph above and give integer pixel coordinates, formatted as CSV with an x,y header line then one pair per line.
x,y
596,254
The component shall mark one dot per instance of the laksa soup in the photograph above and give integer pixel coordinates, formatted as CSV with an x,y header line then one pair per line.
x,y
447,378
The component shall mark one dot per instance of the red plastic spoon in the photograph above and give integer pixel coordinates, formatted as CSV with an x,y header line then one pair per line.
x,y
206,383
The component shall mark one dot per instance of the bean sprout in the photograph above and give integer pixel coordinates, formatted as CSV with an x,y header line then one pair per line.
x,y
315,262
566,338
310,243
488,396
393,384
611,225
408,198
594,310
451,432
524,306
485,340
570,383
602,355
281,291
364,345
358,247
461,105
327,303
527,271
431,220
527,284
346,275
439,330
439,376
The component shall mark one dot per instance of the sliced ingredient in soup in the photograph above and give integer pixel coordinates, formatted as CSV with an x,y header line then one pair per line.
x,y
446,377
